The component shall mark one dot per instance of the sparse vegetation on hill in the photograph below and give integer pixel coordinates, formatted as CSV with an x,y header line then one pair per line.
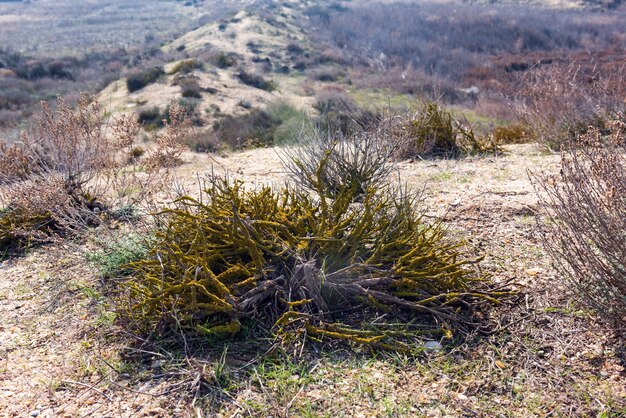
x,y
139,80
443,41
256,80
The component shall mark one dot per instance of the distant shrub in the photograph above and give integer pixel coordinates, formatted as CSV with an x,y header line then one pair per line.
x,y
171,142
338,112
223,60
326,74
333,98
15,93
136,153
291,123
190,88
300,65
294,48
586,220
150,117
516,133
430,130
253,47
189,105
282,69
139,80
256,80
186,67
252,129
203,142
280,123
265,63
11,118
59,69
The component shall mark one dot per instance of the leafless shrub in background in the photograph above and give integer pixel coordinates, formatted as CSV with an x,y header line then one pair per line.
x,y
586,220
561,101
171,142
446,41
339,112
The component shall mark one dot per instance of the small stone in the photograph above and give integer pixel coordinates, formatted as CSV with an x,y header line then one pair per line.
x,y
432,346
157,364
35,413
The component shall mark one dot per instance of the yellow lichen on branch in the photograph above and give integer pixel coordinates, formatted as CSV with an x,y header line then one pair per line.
x,y
305,263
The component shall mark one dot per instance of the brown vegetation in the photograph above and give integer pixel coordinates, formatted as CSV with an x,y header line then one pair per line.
x,y
587,220
68,173
559,102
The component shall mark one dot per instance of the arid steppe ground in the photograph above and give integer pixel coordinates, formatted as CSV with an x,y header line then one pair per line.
x,y
62,355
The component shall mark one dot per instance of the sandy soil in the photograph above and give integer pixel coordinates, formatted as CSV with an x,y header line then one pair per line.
x,y
62,356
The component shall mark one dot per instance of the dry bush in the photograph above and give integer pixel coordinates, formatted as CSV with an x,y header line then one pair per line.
x,y
186,67
190,88
171,142
51,172
305,266
256,80
515,133
138,80
431,131
275,125
68,173
338,112
69,144
150,117
586,220
248,130
561,101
